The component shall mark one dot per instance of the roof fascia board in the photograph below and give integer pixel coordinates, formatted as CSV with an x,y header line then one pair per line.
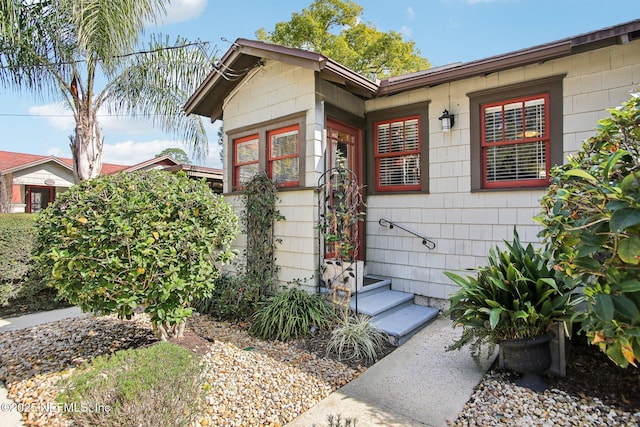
x,y
480,67
150,162
37,163
209,82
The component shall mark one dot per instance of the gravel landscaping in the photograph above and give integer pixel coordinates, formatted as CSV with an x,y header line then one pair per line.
x,y
254,382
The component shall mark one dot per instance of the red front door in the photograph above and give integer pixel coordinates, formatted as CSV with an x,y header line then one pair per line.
x,y
344,144
39,197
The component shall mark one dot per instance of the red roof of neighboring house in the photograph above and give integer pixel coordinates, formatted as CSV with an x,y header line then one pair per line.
x,y
10,161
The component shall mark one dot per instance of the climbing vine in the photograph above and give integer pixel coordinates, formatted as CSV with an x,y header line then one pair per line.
x,y
259,197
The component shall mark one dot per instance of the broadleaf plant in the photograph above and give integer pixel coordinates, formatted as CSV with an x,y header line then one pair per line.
x,y
516,295
151,239
591,219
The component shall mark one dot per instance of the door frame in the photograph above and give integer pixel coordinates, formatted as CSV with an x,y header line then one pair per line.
x,y
28,188
356,166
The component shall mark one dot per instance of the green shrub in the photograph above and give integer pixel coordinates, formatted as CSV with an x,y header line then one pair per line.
x,y
291,314
148,238
18,276
160,385
357,339
232,298
591,218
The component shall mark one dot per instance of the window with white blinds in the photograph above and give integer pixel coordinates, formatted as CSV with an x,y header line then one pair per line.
x,y
515,142
397,154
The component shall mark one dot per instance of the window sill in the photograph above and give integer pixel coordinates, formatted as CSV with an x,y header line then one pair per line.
x,y
493,190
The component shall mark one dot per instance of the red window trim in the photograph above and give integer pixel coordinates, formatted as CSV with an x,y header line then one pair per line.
x,y
377,156
236,164
270,159
546,139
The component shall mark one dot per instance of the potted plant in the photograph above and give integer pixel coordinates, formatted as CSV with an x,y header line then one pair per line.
x,y
513,301
339,225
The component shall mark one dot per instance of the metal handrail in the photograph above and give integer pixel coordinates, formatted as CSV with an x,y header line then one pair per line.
x,y
425,241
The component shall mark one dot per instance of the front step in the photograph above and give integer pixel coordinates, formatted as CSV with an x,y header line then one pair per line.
x,y
393,312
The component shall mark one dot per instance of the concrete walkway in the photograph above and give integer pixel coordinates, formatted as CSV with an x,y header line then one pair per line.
x,y
9,415
419,384
30,320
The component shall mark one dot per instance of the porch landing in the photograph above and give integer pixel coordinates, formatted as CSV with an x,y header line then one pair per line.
x,y
392,311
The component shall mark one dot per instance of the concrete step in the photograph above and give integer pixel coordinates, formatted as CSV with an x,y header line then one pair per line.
x,y
391,311
374,285
375,303
405,321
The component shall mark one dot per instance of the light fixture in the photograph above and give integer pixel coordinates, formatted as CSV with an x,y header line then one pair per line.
x,y
447,121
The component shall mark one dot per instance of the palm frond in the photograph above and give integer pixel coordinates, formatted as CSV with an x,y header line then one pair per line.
x,y
155,86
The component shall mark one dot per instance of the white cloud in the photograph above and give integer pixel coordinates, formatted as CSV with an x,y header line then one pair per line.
x,y
123,124
57,151
183,10
410,12
213,157
58,116
55,114
406,31
131,152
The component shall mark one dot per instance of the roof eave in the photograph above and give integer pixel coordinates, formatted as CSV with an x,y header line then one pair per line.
x,y
36,163
617,34
474,68
250,53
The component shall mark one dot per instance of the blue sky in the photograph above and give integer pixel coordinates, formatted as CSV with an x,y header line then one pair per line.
x,y
445,31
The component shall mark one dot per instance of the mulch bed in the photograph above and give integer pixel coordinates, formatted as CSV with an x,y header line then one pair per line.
x,y
317,344
590,373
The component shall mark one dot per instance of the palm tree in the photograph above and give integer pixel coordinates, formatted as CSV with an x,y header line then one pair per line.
x,y
60,49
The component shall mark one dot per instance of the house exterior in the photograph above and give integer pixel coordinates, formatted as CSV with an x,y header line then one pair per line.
x,y
295,114
29,182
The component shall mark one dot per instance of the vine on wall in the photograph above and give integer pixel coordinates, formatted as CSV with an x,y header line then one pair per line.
x,y
259,197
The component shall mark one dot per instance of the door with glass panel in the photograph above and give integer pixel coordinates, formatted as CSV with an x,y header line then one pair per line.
x,y
344,151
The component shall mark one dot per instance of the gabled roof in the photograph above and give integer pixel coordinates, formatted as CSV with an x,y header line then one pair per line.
x,y
166,161
245,55
13,162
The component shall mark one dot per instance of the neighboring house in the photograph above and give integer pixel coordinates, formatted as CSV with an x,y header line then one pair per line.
x,y
291,112
29,182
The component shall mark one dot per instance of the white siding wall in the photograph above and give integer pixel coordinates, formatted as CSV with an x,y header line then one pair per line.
x,y
465,225
37,175
275,91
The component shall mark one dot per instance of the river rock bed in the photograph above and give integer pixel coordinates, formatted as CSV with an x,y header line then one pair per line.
x,y
498,401
259,383
252,382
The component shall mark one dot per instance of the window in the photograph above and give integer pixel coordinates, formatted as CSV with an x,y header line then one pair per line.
x,y
515,142
271,147
246,159
397,154
516,134
283,162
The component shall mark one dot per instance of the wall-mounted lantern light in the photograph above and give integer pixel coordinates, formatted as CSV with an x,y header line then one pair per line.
x,y
447,121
